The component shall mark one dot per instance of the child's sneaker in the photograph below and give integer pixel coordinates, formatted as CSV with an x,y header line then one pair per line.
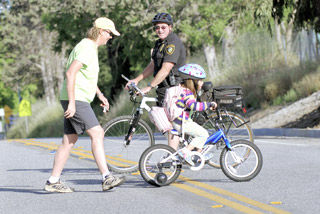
x,y
185,154
58,187
112,181
174,132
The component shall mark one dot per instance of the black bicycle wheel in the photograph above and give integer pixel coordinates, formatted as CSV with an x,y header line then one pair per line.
x,y
237,168
149,164
124,158
235,128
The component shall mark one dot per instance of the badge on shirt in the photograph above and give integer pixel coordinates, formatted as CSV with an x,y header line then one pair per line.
x,y
170,49
161,47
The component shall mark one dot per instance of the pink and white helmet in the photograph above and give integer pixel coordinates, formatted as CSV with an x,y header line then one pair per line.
x,y
192,71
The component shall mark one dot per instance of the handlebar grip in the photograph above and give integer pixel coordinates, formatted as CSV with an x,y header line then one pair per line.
x,y
132,84
124,77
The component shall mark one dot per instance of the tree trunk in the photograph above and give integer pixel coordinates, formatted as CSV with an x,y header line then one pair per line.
x,y
46,57
317,46
60,62
311,45
212,61
50,72
289,30
227,45
279,37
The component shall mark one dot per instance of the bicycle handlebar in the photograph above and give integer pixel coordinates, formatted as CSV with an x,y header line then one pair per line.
x,y
133,85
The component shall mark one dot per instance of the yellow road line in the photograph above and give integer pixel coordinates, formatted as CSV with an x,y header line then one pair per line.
x,y
121,160
217,206
87,154
218,199
275,202
234,195
83,153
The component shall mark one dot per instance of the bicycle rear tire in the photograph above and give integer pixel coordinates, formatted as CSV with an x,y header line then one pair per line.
x,y
149,164
122,158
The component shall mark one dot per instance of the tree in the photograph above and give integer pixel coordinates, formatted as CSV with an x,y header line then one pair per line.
x,y
301,14
127,54
28,46
211,24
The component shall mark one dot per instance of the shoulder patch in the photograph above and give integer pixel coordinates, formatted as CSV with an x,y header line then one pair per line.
x,y
170,49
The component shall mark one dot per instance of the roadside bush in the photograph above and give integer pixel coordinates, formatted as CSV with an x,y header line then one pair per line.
x,y
290,96
46,121
271,91
264,74
308,84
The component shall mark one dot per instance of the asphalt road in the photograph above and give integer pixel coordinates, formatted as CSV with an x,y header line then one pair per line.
x,y
288,183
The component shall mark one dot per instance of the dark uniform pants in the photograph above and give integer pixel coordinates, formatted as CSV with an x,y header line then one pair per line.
x,y
161,92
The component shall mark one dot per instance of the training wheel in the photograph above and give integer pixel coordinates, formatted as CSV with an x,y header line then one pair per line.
x,y
161,179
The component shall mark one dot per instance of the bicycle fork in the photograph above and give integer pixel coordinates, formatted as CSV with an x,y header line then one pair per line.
x,y
132,128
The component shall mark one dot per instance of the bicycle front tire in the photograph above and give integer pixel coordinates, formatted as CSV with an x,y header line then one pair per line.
x,y
122,158
236,128
238,168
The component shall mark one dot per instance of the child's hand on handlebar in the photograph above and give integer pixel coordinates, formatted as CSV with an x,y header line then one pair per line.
x,y
213,106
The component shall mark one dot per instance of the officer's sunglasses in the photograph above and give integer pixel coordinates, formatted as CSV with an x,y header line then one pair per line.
x,y
158,27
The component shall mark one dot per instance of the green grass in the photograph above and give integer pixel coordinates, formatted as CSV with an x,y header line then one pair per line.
x,y
45,121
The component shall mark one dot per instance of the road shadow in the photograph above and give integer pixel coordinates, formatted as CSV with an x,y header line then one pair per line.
x,y
65,170
23,190
132,181
129,183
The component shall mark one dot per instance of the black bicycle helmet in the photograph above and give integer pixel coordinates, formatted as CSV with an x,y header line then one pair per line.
x,y
162,18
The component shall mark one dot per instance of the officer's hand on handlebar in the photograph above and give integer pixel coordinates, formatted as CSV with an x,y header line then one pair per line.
x,y
129,83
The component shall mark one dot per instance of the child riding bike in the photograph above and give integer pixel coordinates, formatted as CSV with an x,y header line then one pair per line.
x,y
192,75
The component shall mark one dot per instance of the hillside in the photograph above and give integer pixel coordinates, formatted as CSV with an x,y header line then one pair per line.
x,y
304,113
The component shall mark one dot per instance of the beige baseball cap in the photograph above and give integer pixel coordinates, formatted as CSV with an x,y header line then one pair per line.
x,y
106,24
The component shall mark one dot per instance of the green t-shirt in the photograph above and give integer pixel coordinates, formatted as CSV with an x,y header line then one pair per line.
x,y
86,52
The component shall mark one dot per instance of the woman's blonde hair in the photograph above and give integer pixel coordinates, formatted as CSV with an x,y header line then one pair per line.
x,y
191,84
93,33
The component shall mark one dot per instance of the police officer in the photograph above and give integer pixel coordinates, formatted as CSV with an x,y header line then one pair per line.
x,y
168,55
